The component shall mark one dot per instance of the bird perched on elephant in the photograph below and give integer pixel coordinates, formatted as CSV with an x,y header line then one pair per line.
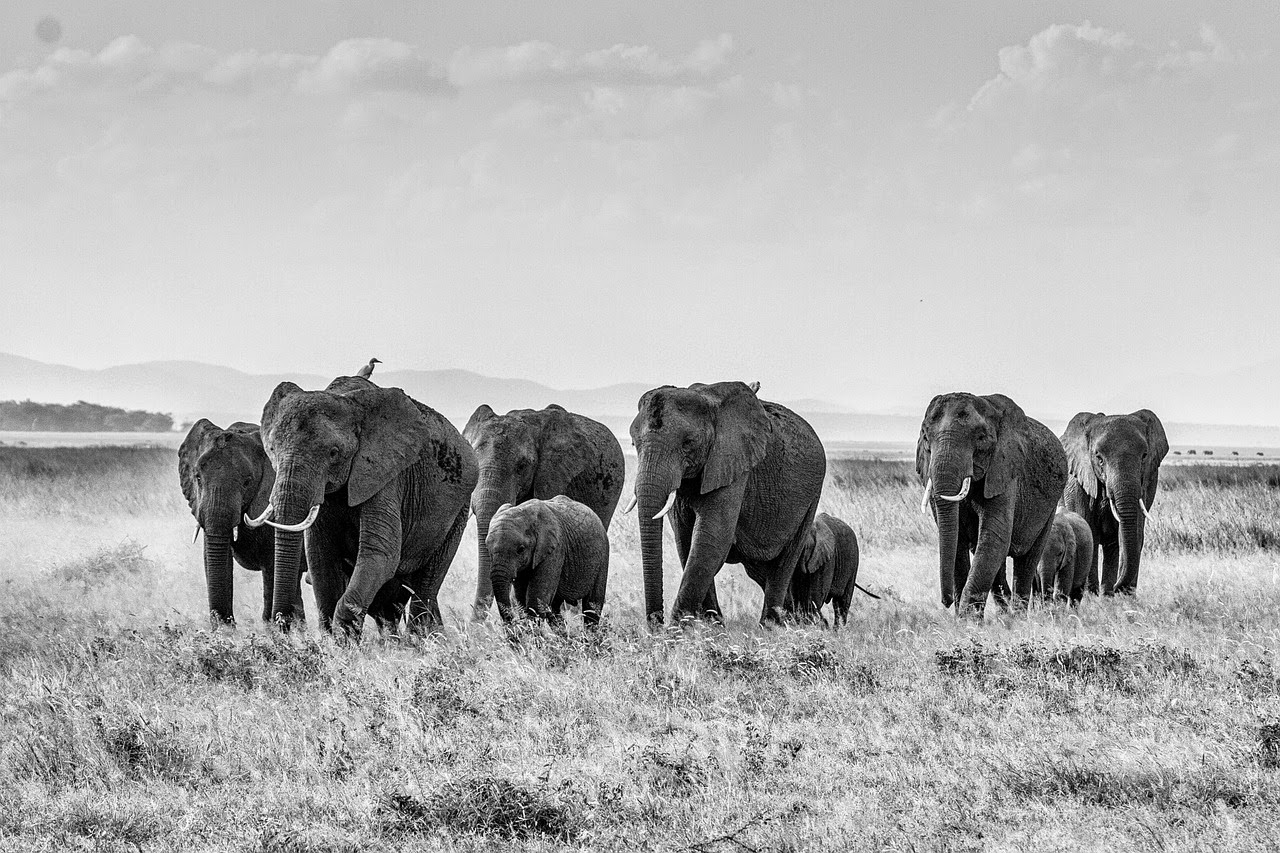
x,y
739,479
1064,565
1114,466
551,552
827,570
993,478
527,454
380,483
226,474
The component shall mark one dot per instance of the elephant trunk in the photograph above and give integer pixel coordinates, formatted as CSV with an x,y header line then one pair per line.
x,y
948,470
658,475
1132,533
217,523
485,501
292,500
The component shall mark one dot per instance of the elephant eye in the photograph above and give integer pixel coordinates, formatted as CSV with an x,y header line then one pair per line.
x,y
199,479
333,452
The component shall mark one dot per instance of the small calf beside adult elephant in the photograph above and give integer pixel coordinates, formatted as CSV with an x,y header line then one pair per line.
x,y
992,477
381,484
551,552
739,479
827,570
527,454
1064,565
1114,464
226,474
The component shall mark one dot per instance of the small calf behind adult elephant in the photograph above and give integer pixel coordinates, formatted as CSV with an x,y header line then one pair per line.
x,y
1064,565
551,552
827,570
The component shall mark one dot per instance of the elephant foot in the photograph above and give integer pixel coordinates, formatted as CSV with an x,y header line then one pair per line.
x,y
218,620
348,622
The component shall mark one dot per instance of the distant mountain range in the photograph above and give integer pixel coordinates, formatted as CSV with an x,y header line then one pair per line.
x,y
189,390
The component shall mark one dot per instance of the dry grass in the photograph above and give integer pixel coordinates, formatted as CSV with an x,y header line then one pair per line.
x,y
1137,724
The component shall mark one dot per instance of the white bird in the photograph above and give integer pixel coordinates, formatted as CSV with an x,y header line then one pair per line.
x,y
367,371
754,386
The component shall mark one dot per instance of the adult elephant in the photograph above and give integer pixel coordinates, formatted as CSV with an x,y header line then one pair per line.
x,y
738,477
1114,463
381,485
993,477
226,474
536,455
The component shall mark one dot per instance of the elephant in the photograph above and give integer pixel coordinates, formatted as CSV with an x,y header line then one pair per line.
x,y
738,477
553,551
1064,565
528,454
1114,470
827,570
225,473
993,478
380,484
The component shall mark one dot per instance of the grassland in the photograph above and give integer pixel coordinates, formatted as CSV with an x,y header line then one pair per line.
x,y
1139,724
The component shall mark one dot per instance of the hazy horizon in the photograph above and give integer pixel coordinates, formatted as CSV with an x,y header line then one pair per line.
x,y
838,201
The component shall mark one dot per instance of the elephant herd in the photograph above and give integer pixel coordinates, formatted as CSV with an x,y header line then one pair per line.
x,y
368,492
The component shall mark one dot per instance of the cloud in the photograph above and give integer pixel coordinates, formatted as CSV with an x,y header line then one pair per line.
x,y
619,64
129,64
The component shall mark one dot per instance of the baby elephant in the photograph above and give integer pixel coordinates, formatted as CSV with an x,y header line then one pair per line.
x,y
1068,556
552,551
827,570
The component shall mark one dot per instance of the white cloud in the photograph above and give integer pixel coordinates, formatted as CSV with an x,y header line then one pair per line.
x,y
619,64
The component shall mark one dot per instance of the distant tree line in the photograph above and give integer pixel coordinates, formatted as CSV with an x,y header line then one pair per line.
x,y
78,417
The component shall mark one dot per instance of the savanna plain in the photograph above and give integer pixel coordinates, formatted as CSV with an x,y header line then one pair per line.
x,y
1147,723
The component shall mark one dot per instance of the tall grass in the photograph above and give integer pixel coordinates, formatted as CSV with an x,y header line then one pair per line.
x,y
1150,723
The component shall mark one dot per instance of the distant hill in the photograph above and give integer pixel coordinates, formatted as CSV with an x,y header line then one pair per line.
x,y
80,416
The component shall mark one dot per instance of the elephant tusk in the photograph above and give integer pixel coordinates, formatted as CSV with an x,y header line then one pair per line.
x,y
924,501
260,520
197,534
1146,512
964,492
1112,503
666,507
235,533
300,526
631,504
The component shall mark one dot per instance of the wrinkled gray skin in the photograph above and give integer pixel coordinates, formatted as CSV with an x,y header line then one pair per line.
x,y
551,552
1017,470
746,474
827,570
527,454
1114,459
392,479
224,474
1064,565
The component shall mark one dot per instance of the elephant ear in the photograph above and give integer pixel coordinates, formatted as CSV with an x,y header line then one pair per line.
x,y
203,432
742,429
1010,450
1075,441
1157,449
922,443
393,433
271,410
550,541
564,448
471,431
251,436
824,547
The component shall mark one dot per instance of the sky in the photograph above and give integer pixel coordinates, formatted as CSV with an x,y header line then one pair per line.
x,y
862,203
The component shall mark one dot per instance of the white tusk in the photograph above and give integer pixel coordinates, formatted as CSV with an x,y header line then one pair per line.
x,y
235,533
924,501
1111,503
197,535
1143,504
300,526
631,504
964,491
666,507
260,520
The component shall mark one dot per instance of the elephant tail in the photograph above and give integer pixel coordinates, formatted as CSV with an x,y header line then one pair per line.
x,y
867,591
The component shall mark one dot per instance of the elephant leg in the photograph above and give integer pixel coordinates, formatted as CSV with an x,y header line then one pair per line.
x,y
328,574
777,580
388,608
710,539
268,587
1000,589
962,566
520,589
1110,566
989,557
1091,578
593,604
1024,566
424,606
